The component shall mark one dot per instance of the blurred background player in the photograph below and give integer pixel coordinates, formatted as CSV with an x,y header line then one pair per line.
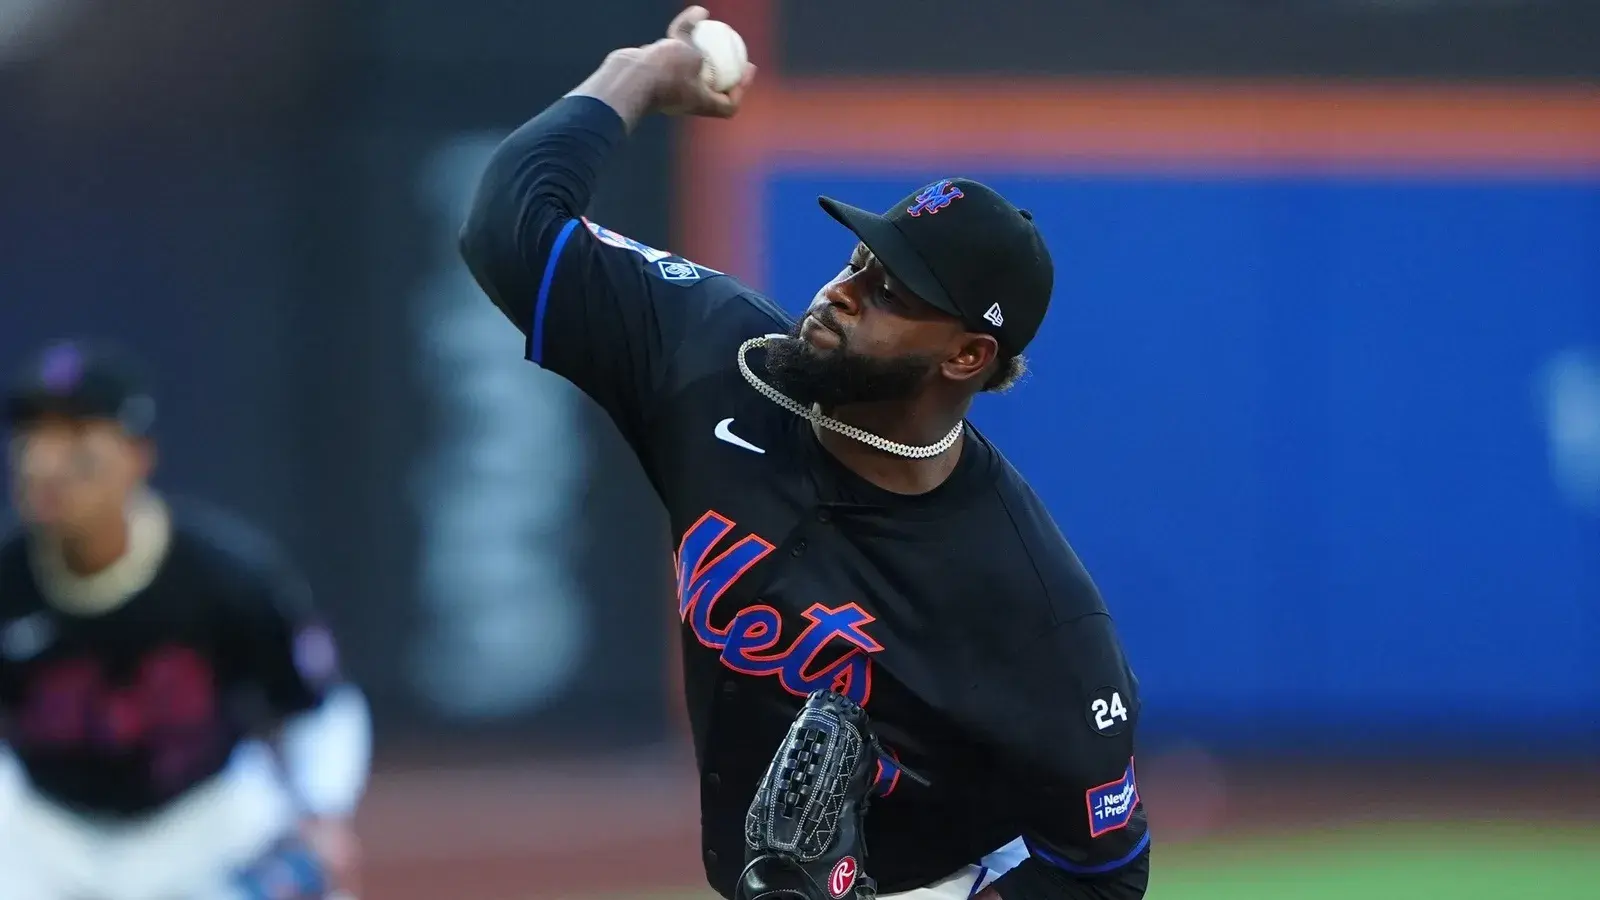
x,y
144,646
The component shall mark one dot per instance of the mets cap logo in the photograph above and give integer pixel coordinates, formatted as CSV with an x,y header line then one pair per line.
x,y
62,368
935,197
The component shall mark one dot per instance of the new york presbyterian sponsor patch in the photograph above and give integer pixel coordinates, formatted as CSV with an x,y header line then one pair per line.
x,y
1111,804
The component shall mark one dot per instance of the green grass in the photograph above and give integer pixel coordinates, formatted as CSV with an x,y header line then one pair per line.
x,y
1422,862
1398,862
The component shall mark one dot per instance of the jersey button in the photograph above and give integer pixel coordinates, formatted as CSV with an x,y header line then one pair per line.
x,y
713,779
823,515
730,687
799,549
711,856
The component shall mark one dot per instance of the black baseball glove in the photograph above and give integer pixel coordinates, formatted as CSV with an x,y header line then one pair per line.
x,y
803,835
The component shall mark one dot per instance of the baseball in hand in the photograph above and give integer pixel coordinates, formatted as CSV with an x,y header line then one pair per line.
x,y
725,56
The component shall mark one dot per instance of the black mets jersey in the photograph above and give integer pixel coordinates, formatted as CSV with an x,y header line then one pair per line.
x,y
118,711
961,619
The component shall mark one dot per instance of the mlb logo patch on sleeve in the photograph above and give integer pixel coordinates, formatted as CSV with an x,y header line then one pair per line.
x,y
606,236
1111,805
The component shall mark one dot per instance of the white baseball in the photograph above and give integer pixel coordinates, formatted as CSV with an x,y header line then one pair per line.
x,y
725,56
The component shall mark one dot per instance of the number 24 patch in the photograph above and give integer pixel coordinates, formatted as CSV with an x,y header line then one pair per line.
x,y
1107,712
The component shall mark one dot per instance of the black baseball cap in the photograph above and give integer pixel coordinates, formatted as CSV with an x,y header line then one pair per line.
x,y
81,381
966,250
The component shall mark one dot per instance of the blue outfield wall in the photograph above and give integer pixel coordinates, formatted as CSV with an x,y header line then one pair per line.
x,y
1298,430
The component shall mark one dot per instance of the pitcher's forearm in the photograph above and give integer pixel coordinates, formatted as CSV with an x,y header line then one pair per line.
x,y
624,82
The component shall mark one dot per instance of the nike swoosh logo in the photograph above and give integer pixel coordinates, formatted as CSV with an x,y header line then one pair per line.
x,y
725,434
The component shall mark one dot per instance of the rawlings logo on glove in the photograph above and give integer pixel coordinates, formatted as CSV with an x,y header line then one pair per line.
x,y
803,834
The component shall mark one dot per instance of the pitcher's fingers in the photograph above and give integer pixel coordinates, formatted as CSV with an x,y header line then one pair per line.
x,y
721,106
736,95
683,24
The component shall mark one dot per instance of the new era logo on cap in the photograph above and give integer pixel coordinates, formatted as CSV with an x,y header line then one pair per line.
x,y
963,249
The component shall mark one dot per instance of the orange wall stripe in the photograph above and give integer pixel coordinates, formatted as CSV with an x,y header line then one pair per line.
x,y
1089,126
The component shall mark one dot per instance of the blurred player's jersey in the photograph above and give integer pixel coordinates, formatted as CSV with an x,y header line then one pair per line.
x,y
122,691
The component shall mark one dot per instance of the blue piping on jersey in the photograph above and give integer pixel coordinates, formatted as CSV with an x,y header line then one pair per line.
x,y
535,352
1076,869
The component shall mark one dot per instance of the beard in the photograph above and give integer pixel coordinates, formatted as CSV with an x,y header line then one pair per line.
x,y
840,376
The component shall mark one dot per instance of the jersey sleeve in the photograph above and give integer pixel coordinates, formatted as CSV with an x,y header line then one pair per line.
x,y
1064,738
283,648
597,308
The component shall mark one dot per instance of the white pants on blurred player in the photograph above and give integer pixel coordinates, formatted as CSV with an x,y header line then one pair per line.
x,y
188,851
967,881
